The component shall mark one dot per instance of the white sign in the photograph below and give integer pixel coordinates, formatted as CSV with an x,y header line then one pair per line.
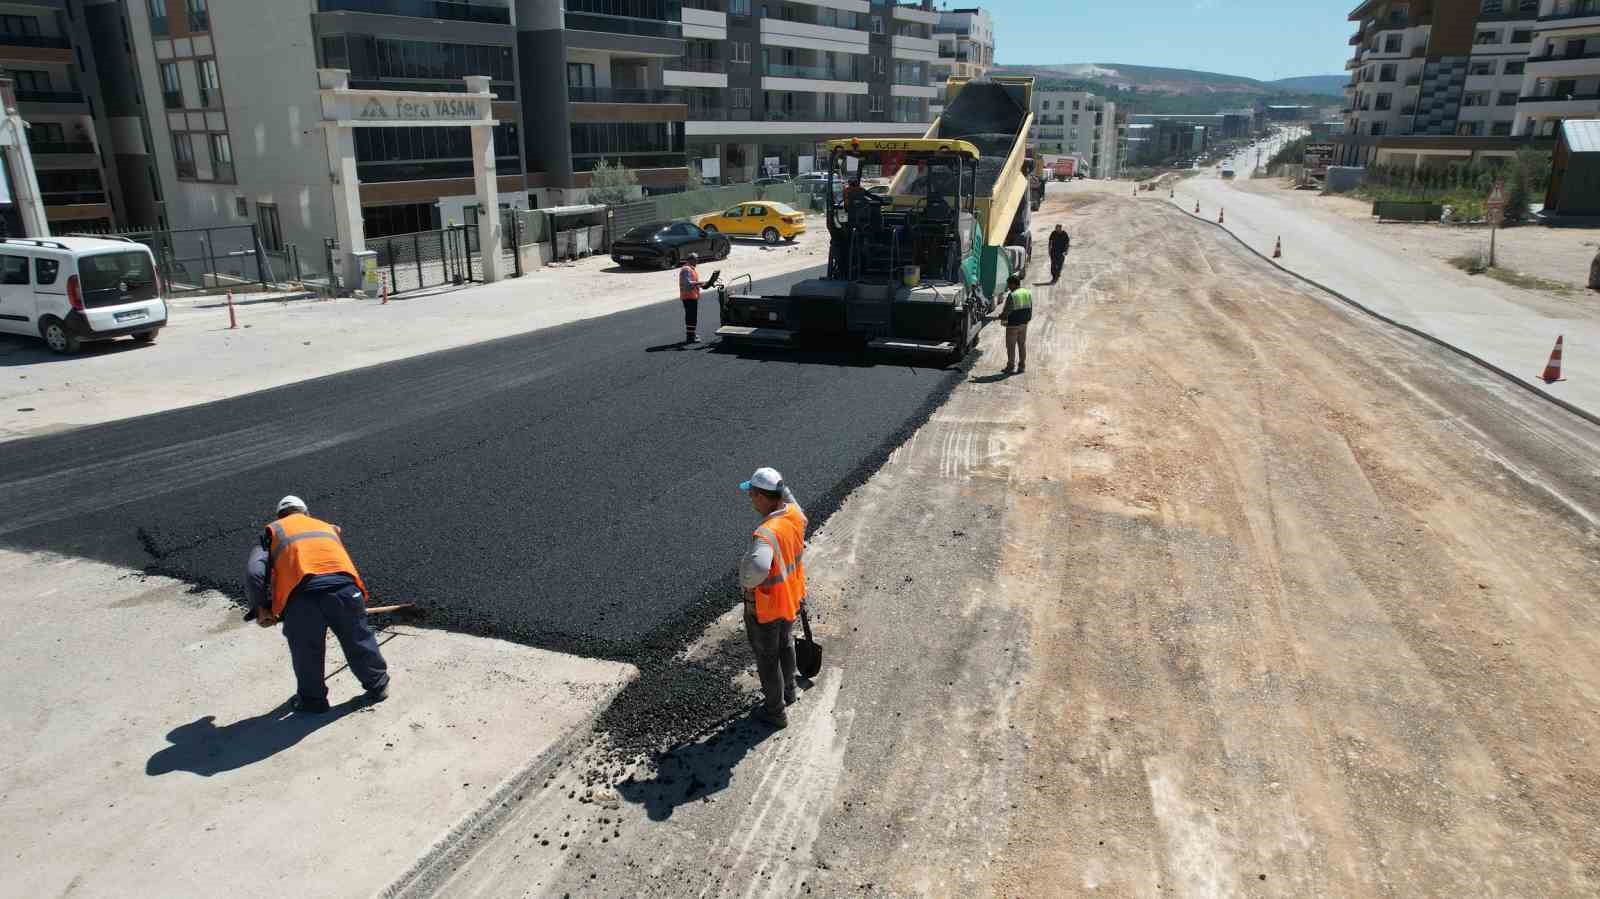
x,y
770,165
1497,203
711,167
805,164
417,109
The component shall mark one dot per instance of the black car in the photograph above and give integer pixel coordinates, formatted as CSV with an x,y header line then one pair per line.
x,y
665,244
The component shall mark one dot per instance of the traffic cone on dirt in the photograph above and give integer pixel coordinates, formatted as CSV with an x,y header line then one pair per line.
x,y
1221,215
233,320
1196,207
1552,369
1277,249
383,289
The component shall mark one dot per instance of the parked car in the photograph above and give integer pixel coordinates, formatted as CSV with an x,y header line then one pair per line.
x,y
771,182
665,244
765,219
67,290
1227,172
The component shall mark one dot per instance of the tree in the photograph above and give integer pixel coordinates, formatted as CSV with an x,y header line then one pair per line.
x,y
611,185
1527,174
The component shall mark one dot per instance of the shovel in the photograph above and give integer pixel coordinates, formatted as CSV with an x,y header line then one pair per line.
x,y
807,654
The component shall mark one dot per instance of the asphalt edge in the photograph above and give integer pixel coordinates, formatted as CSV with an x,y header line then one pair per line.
x,y
1584,414
430,870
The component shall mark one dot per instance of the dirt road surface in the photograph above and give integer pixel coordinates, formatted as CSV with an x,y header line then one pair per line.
x,y
1235,592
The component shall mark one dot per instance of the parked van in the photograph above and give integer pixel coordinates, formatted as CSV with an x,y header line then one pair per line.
x,y
66,290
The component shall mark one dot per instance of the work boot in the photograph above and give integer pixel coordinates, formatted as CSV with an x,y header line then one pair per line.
x,y
777,721
378,694
790,696
308,706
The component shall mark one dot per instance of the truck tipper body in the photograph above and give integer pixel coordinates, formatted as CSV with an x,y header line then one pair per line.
x,y
917,268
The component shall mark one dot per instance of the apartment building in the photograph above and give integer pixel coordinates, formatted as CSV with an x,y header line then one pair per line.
x,y
1436,79
766,82
1562,75
49,48
1076,123
966,47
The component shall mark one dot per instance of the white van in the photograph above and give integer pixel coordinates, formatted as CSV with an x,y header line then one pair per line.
x,y
66,290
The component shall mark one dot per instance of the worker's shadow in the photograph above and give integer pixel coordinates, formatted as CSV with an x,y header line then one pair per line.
x,y
200,747
693,771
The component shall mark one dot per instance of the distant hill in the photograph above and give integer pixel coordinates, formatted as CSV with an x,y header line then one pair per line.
x,y
1332,85
1153,89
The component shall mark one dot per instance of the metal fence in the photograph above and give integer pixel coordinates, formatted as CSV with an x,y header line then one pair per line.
x,y
196,260
428,258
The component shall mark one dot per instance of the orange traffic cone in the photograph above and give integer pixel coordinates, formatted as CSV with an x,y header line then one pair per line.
x,y
1552,369
1277,249
1196,207
233,320
1221,214
383,289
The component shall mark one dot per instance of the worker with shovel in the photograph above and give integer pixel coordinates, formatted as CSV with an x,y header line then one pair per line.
x,y
773,576
300,573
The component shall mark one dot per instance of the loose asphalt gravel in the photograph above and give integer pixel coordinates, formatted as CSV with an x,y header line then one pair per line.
x,y
573,488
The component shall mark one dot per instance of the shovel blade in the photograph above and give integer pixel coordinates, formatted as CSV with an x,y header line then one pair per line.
x,y
808,657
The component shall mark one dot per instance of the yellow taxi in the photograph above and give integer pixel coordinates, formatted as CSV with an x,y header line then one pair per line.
x,y
765,219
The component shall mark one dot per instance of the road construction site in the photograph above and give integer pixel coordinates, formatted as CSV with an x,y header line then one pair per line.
x,y
1237,591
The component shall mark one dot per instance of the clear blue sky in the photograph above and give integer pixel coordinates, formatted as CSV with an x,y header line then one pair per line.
x,y
1254,38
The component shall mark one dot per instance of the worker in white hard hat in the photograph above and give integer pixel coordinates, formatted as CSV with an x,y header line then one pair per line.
x,y
300,573
773,576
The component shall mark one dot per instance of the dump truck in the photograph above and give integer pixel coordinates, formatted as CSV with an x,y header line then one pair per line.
x,y
919,267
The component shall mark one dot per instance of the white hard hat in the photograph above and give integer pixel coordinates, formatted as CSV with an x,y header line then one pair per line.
x,y
766,479
291,502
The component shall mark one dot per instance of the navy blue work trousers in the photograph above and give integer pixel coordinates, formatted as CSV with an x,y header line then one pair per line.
x,y
333,602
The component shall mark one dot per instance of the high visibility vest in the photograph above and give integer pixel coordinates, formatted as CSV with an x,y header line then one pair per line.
x,y
1021,298
778,597
298,546
688,283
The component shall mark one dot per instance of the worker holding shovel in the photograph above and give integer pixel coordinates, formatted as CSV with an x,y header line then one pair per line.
x,y
300,573
773,576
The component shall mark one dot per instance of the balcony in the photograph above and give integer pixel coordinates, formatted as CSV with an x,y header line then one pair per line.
x,y
1554,66
625,25
695,73
61,148
34,40
813,79
1562,105
803,36
423,9
821,73
1572,15
650,95
73,198
33,96
915,48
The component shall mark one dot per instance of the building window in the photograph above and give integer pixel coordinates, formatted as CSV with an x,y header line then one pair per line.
x,y
1383,102
739,51
738,7
199,16
402,218
1481,67
1469,129
580,74
1500,129
1376,129
373,59
1492,7
221,157
171,87
31,81
740,98
877,24
1386,73
241,207
1486,37
158,16
271,233
1514,67
1508,98
19,26
183,155
1475,98
1522,36
1392,43
205,72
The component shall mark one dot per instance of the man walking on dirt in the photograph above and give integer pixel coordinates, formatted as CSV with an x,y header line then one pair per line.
x,y
1060,243
773,577
1017,312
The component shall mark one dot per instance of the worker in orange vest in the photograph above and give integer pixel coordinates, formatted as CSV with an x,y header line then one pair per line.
x,y
689,287
773,575
300,573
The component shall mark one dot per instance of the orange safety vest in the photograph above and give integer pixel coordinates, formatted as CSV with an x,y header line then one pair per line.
x,y
299,545
688,283
780,594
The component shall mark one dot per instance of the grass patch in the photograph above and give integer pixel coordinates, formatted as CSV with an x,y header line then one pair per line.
x,y
1476,264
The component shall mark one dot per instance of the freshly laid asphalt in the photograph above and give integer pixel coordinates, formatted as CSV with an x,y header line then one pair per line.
x,y
573,488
